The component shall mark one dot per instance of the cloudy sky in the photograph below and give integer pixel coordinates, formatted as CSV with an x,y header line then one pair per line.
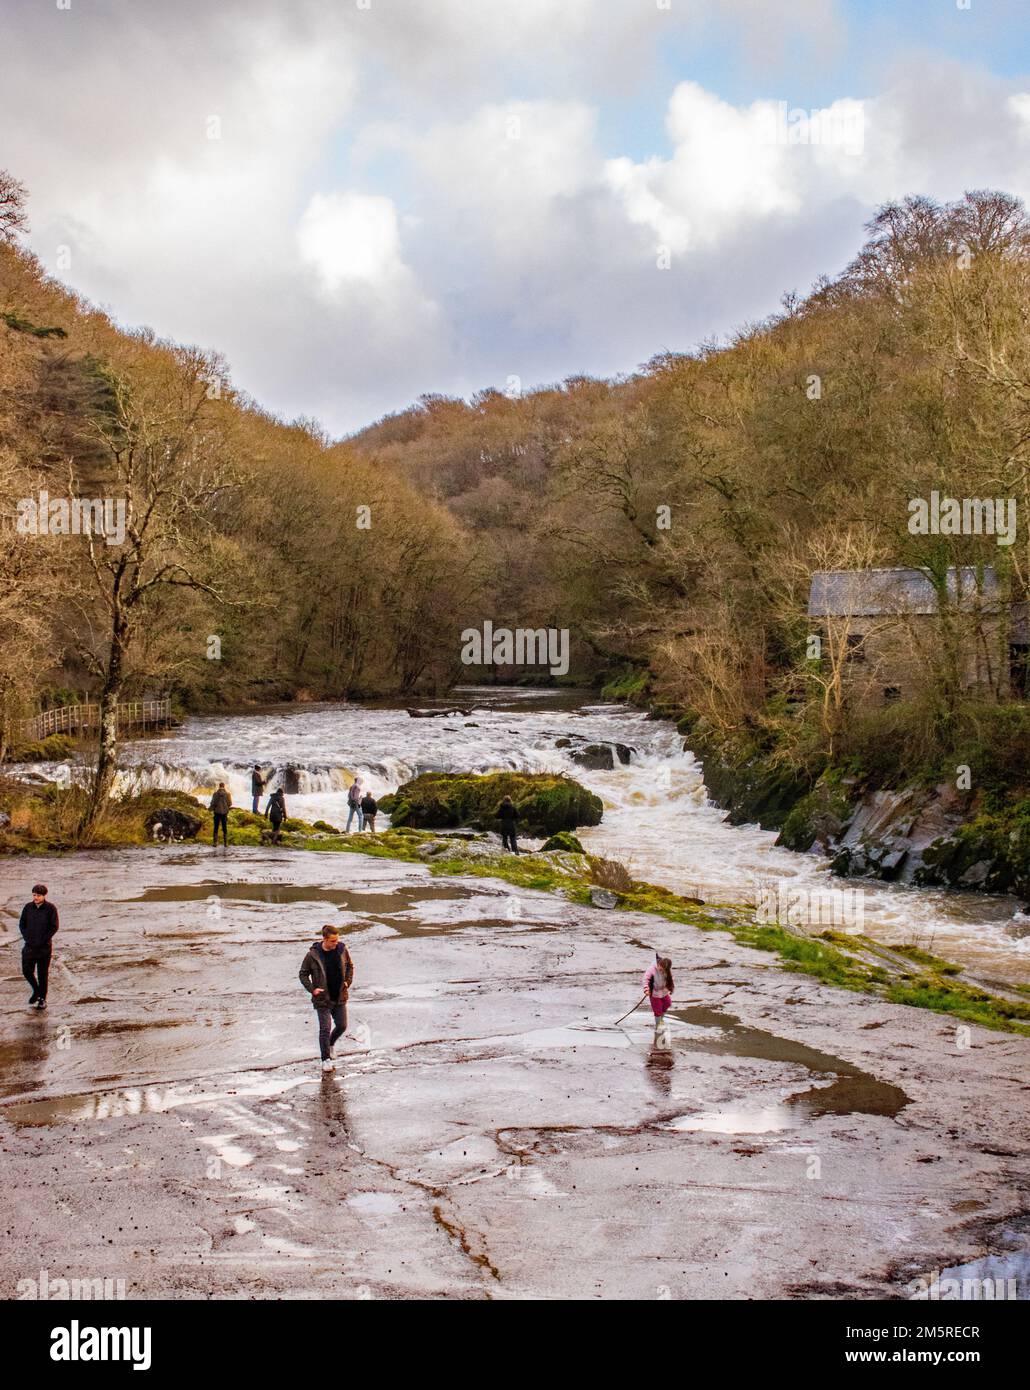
x,y
359,201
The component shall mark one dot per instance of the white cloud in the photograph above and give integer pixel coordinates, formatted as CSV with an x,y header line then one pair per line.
x,y
417,197
351,237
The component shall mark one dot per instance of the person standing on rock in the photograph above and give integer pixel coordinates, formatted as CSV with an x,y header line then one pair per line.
x,y
508,815
354,805
38,924
326,973
219,808
276,813
658,986
257,787
369,811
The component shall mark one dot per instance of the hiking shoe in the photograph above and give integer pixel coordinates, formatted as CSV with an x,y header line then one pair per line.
x,y
328,1065
41,1004
33,1000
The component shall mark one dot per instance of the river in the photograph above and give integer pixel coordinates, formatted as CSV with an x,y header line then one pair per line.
x,y
657,818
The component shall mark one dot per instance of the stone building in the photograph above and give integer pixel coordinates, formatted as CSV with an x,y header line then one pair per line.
x,y
890,634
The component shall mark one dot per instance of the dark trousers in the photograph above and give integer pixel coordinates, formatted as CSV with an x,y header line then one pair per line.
x,y
224,822
508,838
277,826
335,1014
35,966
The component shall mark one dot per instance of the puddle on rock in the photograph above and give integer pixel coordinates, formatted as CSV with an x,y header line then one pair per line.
x,y
142,1100
359,900
851,1092
1004,1276
397,908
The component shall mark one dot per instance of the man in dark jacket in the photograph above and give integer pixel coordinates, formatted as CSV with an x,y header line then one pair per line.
x,y
39,922
326,973
219,808
369,811
257,786
508,814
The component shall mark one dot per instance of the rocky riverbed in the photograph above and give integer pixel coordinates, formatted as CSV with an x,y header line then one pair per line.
x,y
489,1134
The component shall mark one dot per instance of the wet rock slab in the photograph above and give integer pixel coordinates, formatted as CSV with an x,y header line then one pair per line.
x,y
488,1133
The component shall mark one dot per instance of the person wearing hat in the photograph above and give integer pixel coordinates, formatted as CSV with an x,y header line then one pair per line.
x,y
38,923
257,786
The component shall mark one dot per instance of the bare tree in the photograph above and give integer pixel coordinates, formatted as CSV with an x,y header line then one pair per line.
x,y
12,206
169,470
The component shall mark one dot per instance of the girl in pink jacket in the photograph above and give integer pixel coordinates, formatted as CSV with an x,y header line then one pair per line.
x,y
658,986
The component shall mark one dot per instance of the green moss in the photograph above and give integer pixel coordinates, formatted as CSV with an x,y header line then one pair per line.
x,y
563,840
921,957
976,1006
57,748
547,803
630,685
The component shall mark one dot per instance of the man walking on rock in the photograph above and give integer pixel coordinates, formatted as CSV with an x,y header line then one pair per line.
x,y
326,973
39,922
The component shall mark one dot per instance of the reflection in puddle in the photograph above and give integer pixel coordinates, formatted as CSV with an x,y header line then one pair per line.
x,y
990,1278
140,1100
763,1121
851,1092
409,910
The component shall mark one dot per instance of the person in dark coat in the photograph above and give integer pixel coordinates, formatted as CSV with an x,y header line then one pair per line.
x,y
38,925
219,808
276,813
508,814
369,810
257,787
326,973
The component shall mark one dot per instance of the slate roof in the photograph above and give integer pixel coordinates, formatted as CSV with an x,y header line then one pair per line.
x,y
860,593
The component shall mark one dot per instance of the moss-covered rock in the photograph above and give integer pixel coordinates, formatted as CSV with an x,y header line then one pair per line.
x,y
991,852
563,840
57,748
820,816
546,803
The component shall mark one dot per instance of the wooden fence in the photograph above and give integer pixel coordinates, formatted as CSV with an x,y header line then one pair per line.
x,y
80,719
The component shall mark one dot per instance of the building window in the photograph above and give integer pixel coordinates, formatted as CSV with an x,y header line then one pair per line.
x,y
855,646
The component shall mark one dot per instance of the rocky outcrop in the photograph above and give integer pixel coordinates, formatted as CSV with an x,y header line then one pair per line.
x,y
596,757
546,803
930,836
